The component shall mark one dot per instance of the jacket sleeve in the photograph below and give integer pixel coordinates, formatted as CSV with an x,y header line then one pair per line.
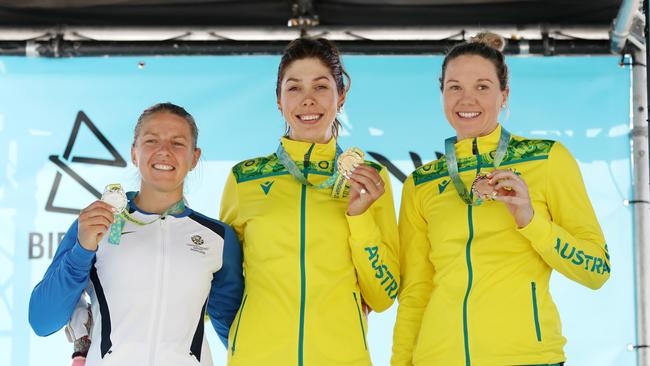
x,y
374,245
54,298
566,233
416,273
227,287
229,212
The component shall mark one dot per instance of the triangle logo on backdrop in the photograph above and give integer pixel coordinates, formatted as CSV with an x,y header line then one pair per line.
x,y
61,162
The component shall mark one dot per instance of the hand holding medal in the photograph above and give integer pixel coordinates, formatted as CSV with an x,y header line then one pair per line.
x,y
366,185
114,195
482,189
96,219
512,190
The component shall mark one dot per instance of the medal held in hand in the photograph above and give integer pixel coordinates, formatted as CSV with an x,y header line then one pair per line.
x,y
114,195
345,165
483,190
349,160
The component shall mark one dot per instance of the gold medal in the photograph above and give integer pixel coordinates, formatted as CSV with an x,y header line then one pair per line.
x,y
482,188
114,195
349,160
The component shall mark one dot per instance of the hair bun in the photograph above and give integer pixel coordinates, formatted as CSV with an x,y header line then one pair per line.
x,y
490,39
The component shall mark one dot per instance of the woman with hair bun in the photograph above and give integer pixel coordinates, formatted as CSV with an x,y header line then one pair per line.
x,y
475,290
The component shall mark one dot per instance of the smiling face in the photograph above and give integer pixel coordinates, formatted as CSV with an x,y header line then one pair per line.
x,y
309,100
472,96
164,152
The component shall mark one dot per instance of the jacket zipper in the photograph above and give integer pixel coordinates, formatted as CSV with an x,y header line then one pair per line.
x,y
468,259
234,339
159,293
538,331
303,199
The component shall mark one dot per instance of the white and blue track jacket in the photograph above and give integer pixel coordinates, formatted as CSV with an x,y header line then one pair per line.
x,y
149,293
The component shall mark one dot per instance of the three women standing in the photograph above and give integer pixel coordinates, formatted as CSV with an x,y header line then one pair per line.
x,y
481,231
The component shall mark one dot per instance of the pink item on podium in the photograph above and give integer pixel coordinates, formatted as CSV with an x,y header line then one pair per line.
x,y
79,361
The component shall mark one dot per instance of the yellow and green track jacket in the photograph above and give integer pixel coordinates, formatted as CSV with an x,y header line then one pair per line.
x,y
307,265
475,289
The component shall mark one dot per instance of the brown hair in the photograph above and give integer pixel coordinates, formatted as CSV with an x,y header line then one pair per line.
x,y
323,50
172,109
487,45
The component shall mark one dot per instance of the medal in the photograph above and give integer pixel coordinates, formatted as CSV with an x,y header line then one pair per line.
x,y
114,195
346,163
349,160
481,189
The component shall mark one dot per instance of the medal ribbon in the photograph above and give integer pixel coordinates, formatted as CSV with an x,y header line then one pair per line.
x,y
452,162
293,169
115,233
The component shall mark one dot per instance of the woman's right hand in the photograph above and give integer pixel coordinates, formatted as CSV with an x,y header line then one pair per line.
x,y
94,222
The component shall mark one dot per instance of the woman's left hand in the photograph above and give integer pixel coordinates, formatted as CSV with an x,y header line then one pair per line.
x,y
366,186
512,190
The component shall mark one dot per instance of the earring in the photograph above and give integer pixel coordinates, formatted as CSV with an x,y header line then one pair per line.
x,y
505,108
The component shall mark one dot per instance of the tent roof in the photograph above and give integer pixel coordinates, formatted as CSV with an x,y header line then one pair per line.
x,y
70,28
250,13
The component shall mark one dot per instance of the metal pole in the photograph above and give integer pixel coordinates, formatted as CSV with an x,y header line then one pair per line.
x,y
621,30
57,47
641,203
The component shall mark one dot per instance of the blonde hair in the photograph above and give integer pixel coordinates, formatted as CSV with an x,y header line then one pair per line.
x,y
490,39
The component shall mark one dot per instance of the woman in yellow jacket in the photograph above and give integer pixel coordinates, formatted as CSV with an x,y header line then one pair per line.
x,y
314,250
482,228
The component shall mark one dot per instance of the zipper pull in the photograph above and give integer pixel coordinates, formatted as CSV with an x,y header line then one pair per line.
x,y
307,156
474,147
306,161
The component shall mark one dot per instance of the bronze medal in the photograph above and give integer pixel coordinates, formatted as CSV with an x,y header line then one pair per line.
x,y
482,188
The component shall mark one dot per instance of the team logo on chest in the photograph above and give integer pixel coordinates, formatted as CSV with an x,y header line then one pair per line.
x,y
266,187
197,244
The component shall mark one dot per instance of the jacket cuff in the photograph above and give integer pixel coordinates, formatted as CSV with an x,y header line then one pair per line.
x,y
81,257
361,226
537,230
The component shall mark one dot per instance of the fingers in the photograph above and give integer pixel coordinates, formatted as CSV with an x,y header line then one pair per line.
x,y
98,223
371,175
498,175
369,180
358,188
507,180
508,184
513,200
97,209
